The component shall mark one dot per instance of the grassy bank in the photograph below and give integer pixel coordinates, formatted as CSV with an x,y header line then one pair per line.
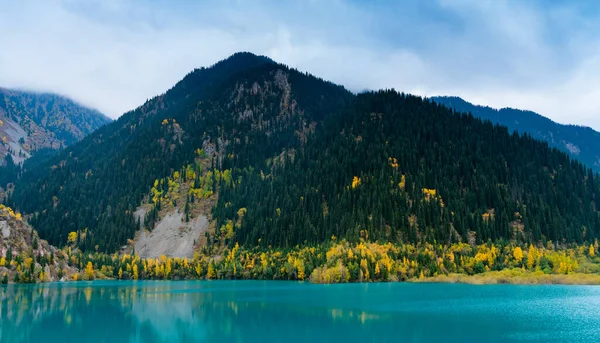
x,y
516,276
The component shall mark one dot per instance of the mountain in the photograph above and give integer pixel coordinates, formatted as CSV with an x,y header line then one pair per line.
x,y
246,101
281,158
581,143
30,122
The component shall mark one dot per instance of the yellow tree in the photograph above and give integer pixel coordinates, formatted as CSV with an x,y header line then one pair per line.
x,y
72,238
532,255
364,265
135,272
168,268
198,269
227,230
518,254
592,251
210,274
356,182
402,183
89,270
28,263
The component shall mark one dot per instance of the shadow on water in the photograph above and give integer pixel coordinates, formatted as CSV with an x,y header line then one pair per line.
x,y
253,311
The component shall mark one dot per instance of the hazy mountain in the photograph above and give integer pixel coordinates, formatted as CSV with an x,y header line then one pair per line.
x,y
30,122
582,143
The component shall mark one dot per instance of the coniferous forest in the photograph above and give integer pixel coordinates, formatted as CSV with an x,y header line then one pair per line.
x,y
309,163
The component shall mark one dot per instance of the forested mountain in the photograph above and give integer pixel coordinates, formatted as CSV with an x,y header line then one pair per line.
x,y
396,167
581,143
306,161
245,101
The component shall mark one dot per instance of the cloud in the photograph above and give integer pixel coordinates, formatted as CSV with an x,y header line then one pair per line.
x,y
113,55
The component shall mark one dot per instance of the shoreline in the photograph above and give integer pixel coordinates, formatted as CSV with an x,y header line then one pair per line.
x,y
503,277
515,277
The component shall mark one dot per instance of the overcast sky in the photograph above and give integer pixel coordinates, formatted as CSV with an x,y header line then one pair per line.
x,y
113,55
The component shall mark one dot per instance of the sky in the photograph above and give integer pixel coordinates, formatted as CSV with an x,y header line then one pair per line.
x,y
112,55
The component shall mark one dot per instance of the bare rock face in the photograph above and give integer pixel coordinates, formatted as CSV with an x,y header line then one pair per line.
x,y
5,229
13,138
140,215
172,237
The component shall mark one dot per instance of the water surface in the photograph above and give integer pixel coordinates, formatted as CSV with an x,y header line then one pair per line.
x,y
255,311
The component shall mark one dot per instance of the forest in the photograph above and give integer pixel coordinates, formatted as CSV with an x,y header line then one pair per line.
x,y
336,261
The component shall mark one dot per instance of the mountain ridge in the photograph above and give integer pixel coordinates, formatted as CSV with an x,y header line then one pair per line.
x,y
33,121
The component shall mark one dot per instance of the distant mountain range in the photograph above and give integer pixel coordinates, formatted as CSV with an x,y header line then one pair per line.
x,y
32,121
581,143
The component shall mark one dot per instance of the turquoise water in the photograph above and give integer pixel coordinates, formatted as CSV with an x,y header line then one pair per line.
x,y
254,311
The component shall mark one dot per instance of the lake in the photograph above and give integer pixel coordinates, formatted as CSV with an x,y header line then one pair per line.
x,y
271,311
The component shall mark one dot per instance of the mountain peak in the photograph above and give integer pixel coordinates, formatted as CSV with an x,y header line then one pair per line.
x,y
239,61
246,55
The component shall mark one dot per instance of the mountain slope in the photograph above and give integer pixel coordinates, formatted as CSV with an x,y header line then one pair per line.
x,y
581,143
294,160
24,257
34,121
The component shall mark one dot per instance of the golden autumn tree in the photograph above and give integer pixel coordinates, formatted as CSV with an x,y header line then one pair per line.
x,y
402,183
532,255
72,238
227,230
356,182
168,268
592,251
210,274
89,271
364,265
518,254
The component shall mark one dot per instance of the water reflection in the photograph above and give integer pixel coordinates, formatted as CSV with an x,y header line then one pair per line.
x,y
164,312
288,312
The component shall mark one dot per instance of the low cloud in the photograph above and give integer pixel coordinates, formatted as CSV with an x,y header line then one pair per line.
x,y
113,55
